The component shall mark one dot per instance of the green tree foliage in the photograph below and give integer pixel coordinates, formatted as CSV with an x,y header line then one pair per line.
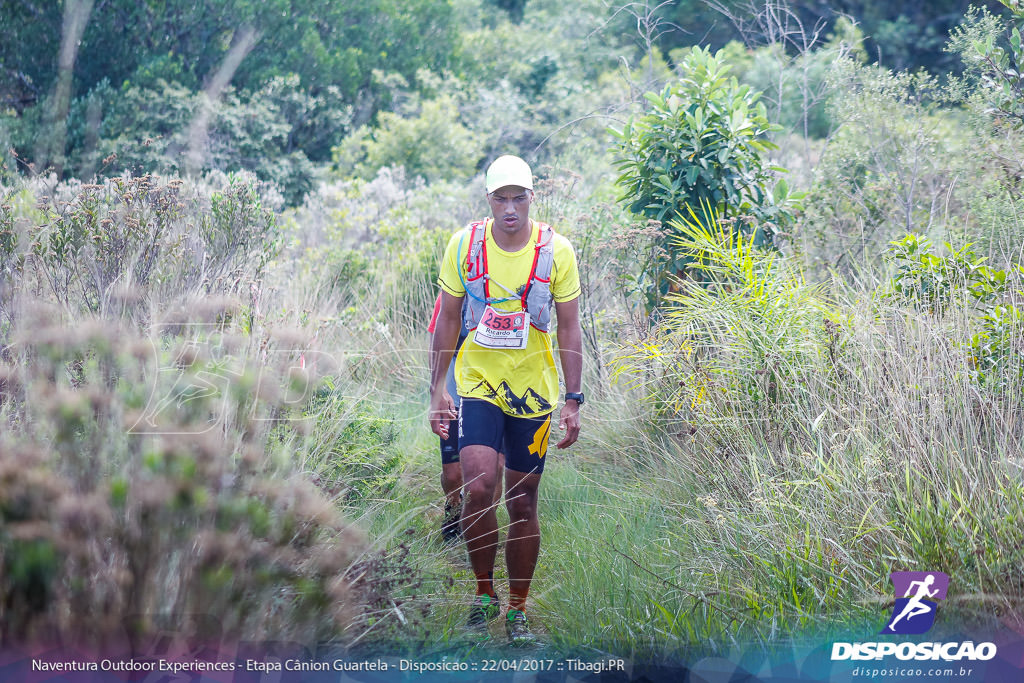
x,y
431,144
908,35
888,170
990,91
697,22
313,59
795,87
538,98
994,55
146,129
702,144
701,148
515,8
325,43
900,35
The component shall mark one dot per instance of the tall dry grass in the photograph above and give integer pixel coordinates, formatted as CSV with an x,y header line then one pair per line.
x,y
797,443
162,392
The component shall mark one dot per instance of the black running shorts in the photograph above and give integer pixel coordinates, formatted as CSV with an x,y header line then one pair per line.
x,y
524,440
450,446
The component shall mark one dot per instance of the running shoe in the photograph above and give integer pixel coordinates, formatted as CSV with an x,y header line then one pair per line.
x,y
518,628
451,529
483,609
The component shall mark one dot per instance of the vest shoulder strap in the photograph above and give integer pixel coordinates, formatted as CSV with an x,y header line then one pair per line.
x,y
546,245
474,254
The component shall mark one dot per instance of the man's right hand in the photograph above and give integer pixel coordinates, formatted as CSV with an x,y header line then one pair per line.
x,y
442,409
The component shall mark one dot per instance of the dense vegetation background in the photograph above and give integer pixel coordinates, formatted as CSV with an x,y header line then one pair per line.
x,y
800,230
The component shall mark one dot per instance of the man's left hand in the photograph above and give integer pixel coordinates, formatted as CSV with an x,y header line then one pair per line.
x,y
569,422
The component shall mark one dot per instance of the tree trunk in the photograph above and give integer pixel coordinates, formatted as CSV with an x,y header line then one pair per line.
x,y
50,148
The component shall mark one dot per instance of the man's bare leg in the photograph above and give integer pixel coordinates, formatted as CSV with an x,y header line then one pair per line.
x,y
480,475
451,482
523,545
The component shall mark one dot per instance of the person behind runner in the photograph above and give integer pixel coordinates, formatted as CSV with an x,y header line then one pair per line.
x,y
451,470
510,271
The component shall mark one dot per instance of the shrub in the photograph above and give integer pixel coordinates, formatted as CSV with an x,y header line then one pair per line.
x,y
430,143
740,346
105,241
997,349
994,57
924,278
135,487
888,170
702,145
151,407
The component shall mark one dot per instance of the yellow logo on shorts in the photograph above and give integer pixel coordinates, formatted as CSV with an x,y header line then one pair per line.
x,y
539,447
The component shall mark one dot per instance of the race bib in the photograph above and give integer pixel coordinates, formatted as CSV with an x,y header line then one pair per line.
x,y
503,330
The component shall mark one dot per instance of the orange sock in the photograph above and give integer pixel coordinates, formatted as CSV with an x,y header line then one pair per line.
x,y
485,584
517,600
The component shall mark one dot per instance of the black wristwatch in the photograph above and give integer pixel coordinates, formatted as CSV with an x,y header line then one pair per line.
x,y
572,396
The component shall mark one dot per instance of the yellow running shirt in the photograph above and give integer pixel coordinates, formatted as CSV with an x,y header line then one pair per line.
x,y
522,382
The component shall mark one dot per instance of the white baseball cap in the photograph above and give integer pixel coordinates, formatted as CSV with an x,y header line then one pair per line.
x,y
508,170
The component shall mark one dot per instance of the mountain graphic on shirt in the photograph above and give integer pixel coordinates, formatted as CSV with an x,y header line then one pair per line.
x,y
531,403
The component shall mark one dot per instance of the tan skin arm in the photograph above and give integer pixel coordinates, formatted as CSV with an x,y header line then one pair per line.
x,y
570,352
442,347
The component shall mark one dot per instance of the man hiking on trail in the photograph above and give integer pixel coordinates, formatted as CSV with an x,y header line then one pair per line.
x,y
510,271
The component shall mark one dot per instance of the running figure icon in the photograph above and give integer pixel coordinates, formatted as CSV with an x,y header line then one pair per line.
x,y
915,605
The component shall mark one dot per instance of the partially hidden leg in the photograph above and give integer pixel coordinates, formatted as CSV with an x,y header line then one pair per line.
x,y
451,471
451,482
451,485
